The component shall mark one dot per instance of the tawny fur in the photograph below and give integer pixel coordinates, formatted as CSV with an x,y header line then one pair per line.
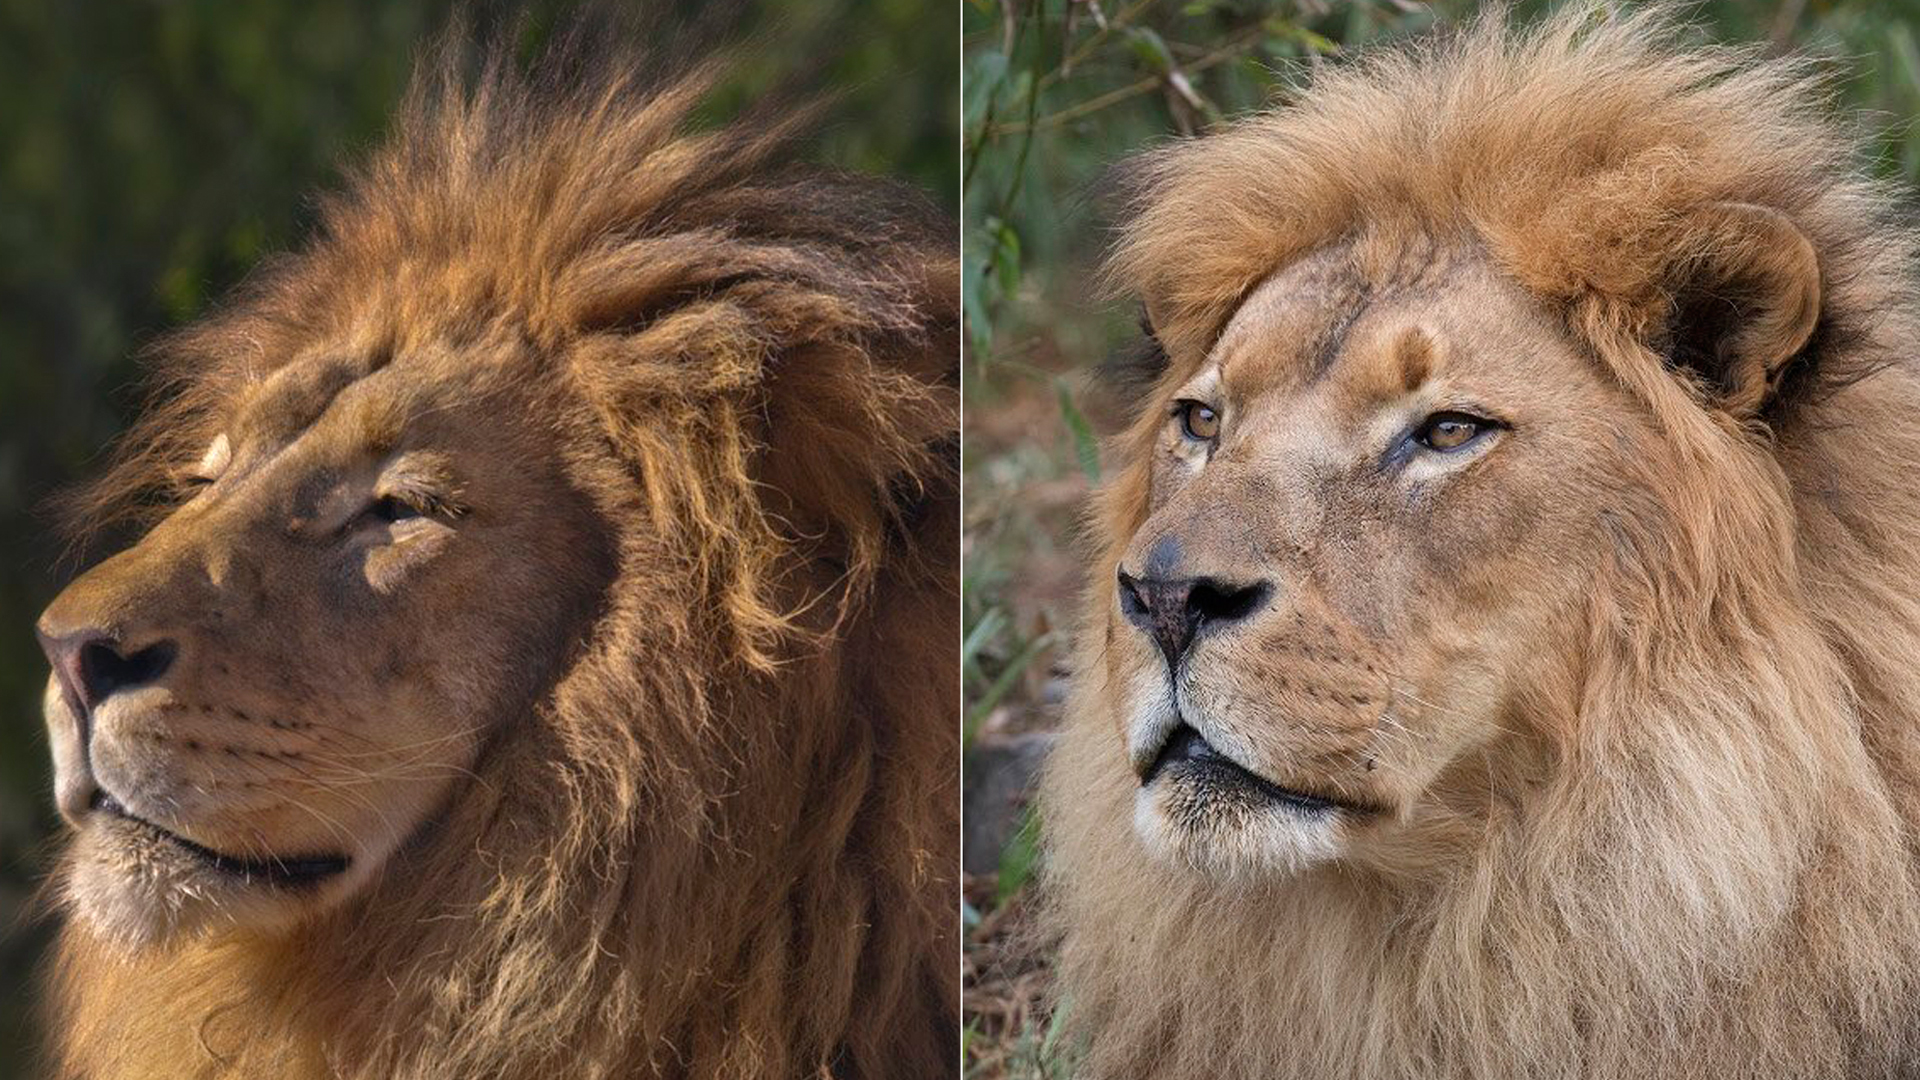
x,y
1714,874
723,845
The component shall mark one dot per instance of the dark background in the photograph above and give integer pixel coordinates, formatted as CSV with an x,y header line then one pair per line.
x,y
151,151
1055,92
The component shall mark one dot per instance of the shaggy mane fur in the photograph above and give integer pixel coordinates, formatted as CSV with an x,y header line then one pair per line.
x,y
1713,874
724,844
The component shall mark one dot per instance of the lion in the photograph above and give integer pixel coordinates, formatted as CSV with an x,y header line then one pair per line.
x,y
1499,652
539,657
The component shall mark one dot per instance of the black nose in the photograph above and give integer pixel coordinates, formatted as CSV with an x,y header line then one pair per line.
x,y
90,666
1174,610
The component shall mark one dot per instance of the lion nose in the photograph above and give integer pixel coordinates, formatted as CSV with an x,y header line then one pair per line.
x,y
1174,610
91,664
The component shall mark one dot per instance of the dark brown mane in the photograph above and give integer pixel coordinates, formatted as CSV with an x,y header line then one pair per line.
x,y
722,846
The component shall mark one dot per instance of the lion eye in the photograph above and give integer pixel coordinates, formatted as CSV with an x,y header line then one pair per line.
x,y
1198,421
1446,431
390,508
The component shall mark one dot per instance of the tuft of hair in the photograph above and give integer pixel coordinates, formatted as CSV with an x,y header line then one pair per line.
x,y
1716,877
724,844
1573,152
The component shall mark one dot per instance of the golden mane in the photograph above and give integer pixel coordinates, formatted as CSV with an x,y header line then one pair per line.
x,y
1717,875
723,844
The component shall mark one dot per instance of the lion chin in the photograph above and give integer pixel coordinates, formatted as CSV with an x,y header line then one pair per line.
x,y
142,889
1498,654
1265,842
1197,808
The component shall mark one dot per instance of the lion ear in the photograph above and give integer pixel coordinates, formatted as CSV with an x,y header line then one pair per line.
x,y
1745,302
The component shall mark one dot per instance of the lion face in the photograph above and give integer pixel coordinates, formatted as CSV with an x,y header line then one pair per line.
x,y
258,706
1365,505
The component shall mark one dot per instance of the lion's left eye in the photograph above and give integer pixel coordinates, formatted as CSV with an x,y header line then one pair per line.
x,y
1447,431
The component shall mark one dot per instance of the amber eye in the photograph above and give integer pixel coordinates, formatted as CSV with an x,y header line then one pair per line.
x,y
1198,421
1445,431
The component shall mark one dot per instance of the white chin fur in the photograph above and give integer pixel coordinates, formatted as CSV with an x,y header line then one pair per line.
x,y
1233,843
139,893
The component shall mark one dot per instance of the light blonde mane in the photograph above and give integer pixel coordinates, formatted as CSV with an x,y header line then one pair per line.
x,y
1714,874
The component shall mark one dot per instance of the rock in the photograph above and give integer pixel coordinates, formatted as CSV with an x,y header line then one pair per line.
x,y
999,777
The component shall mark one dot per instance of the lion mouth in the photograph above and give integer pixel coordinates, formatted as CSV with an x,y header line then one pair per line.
x,y
1189,756
297,872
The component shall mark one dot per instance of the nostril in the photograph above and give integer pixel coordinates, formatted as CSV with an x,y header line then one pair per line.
x,y
1217,601
104,669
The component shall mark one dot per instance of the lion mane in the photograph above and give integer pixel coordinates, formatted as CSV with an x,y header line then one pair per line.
x,y
724,842
1716,875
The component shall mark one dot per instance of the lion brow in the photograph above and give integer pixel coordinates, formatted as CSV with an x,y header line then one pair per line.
x,y
297,396
1332,339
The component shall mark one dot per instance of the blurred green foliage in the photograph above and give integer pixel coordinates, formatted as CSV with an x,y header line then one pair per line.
x,y
1055,93
151,152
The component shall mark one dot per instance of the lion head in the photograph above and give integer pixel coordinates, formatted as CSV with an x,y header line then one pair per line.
x,y
489,689
376,566
1498,655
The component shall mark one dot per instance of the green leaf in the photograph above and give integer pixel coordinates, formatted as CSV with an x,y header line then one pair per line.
x,y
1056,1025
986,72
983,631
1086,446
1151,50
1006,257
1900,42
1004,683
973,280
1288,31
1019,858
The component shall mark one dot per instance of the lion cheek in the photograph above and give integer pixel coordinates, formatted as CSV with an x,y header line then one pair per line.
x,y
387,567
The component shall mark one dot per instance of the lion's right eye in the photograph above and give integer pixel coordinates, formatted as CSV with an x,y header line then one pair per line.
x,y
1198,420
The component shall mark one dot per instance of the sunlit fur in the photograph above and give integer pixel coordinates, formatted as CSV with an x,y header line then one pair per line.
x,y
723,844
1697,859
